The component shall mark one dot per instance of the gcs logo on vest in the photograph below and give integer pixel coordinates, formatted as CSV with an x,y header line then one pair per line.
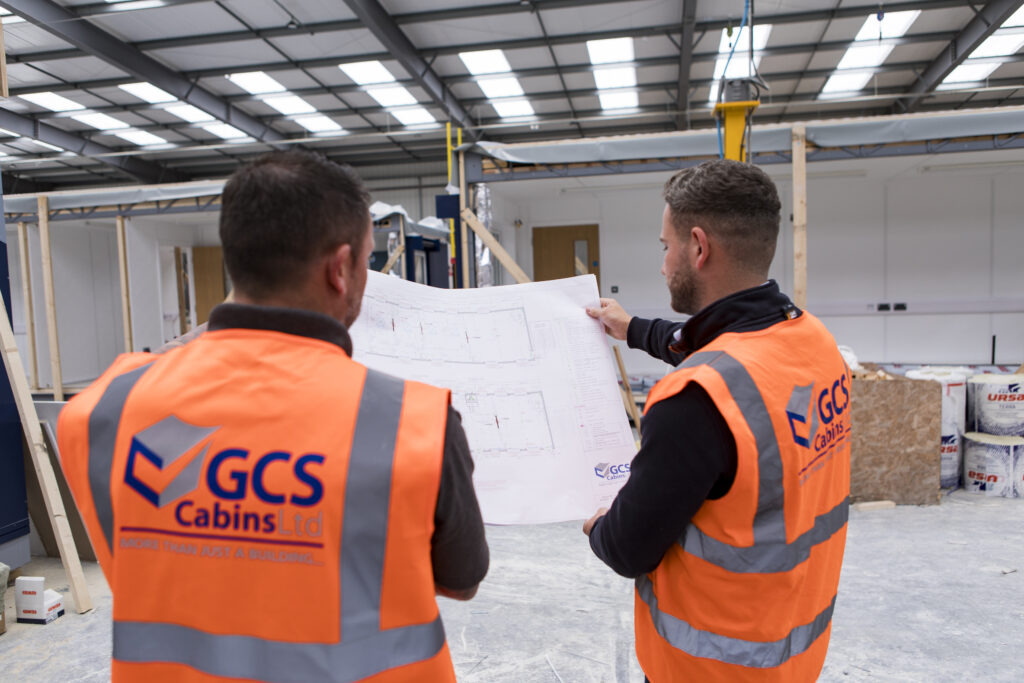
x,y
826,405
228,478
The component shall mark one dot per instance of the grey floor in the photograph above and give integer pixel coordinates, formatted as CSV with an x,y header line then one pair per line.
x,y
927,594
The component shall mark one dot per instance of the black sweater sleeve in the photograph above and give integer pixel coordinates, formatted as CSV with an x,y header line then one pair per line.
x,y
458,551
654,337
687,456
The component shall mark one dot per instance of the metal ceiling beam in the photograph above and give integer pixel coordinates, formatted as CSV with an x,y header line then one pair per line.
x,y
383,27
142,170
64,24
685,59
985,22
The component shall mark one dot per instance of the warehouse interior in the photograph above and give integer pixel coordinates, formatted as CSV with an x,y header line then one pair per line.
x,y
511,141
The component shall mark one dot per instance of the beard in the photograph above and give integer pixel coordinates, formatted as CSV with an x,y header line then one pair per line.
x,y
682,286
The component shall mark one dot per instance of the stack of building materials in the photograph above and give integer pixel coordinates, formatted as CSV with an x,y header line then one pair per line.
x,y
954,400
994,446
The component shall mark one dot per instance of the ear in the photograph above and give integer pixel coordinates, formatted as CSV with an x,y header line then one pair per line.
x,y
339,265
699,242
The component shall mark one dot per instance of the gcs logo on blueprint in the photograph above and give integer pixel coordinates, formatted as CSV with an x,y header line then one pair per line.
x,y
609,472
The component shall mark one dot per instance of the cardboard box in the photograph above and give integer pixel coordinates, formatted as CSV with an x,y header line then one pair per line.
x,y
34,603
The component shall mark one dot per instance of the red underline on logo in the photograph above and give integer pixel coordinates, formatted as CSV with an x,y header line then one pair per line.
x,y
244,539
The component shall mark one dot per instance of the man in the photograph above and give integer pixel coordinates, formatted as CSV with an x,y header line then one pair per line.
x,y
263,506
733,520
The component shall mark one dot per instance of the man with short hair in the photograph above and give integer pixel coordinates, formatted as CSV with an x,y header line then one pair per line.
x,y
263,506
733,520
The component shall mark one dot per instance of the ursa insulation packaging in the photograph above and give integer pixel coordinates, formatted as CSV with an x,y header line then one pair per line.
x,y
997,404
991,462
954,399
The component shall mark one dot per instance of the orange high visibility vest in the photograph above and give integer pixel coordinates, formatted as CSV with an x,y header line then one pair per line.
x,y
747,593
262,507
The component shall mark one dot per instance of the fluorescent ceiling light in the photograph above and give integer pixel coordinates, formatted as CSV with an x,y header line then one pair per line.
x,y
365,73
148,92
290,104
140,137
610,50
969,73
510,109
413,116
186,112
101,121
318,123
999,45
845,83
892,25
256,82
865,56
224,131
623,99
52,101
500,87
395,96
623,77
485,62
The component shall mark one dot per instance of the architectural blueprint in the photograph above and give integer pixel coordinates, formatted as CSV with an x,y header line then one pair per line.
x,y
532,376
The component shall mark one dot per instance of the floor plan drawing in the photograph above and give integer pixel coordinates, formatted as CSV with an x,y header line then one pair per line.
x,y
532,377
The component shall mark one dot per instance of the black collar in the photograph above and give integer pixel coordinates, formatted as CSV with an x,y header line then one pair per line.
x,y
747,310
287,320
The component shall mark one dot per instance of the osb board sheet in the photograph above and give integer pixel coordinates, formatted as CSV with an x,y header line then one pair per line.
x,y
897,426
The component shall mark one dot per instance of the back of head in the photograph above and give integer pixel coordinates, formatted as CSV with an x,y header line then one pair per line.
x,y
281,213
735,203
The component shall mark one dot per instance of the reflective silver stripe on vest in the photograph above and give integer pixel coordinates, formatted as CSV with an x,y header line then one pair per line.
x,y
365,649
751,653
104,422
770,552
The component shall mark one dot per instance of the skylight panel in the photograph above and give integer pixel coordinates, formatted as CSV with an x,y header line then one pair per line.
x,y
739,65
971,72
508,109
610,51
256,82
999,45
186,112
148,92
396,96
224,131
318,124
367,73
979,65
618,99
10,17
892,25
4,131
500,87
140,137
845,82
412,116
290,104
865,56
485,62
52,101
100,121
1016,19
622,77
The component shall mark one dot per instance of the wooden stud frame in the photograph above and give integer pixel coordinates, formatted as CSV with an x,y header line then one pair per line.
x,y
122,267
800,216
48,294
30,314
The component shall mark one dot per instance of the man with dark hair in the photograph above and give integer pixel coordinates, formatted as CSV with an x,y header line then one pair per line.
x,y
733,519
263,506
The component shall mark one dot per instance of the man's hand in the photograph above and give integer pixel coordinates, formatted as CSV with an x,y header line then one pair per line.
x,y
613,316
464,594
588,525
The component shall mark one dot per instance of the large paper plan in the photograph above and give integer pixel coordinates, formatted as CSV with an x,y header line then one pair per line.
x,y
533,377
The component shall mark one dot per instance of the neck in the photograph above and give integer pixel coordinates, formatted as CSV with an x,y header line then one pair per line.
x,y
297,300
723,287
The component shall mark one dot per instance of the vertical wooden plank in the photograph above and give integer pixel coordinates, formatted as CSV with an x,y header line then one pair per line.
x,y
41,460
800,216
43,208
30,314
122,267
4,90
179,274
207,280
403,272
467,255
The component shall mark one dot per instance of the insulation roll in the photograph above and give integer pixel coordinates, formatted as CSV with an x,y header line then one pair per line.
x,y
954,399
990,463
996,404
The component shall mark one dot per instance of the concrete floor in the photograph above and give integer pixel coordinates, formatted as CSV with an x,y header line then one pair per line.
x,y
927,594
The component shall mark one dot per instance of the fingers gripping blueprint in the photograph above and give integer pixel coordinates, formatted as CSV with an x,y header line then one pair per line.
x,y
532,376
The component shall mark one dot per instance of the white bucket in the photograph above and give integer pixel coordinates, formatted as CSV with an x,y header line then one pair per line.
x,y
990,463
997,404
954,399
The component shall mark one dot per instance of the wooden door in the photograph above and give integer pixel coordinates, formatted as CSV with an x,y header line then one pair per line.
x,y
566,251
208,267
